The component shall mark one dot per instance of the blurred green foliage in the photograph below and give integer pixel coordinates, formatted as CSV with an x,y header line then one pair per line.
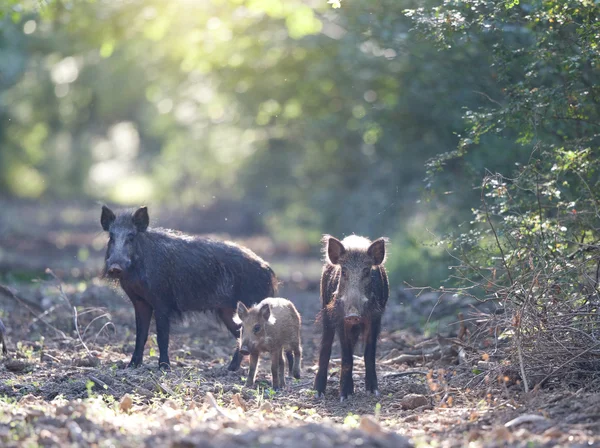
x,y
323,117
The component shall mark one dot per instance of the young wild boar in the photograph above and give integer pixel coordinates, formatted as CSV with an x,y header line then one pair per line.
x,y
354,292
271,326
166,273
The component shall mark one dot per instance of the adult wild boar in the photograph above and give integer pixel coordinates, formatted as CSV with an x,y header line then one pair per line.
x,y
354,292
167,273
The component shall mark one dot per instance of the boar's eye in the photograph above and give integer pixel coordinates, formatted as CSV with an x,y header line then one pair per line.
x,y
344,271
366,272
130,236
256,329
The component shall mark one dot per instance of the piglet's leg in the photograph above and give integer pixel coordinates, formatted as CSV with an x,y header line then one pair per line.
x,y
281,369
252,370
370,352
275,369
290,360
226,315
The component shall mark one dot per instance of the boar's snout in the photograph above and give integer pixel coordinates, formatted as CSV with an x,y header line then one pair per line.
x,y
115,270
352,319
352,316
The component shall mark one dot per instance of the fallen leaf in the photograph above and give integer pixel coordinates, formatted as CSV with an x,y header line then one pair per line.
x,y
371,426
126,403
239,402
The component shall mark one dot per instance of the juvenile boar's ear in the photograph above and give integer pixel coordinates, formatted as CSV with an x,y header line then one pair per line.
x,y
141,219
242,312
107,217
335,249
377,251
265,313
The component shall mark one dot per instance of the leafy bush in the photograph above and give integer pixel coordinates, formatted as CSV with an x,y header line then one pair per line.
x,y
532,246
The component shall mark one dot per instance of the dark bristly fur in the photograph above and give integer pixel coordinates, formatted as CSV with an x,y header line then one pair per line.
x,y
168,273
2,335
354,293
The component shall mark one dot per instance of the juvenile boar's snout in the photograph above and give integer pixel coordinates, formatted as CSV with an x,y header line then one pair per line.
x,y
244,350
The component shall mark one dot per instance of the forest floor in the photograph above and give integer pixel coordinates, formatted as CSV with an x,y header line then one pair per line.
x,y
64,381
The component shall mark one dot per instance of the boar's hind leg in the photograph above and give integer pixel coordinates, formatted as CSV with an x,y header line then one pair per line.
x,y
143,316
324,356
370,349
162,337
226,315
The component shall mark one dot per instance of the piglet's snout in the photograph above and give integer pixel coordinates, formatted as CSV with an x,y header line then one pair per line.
x,y
244,350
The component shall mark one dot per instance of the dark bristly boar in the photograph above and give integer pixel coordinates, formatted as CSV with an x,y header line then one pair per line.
x,y
271,326
167,273
2,336
354,292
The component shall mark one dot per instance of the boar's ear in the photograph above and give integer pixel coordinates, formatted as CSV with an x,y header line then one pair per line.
x,y
107,217
335,249
377,251
141,219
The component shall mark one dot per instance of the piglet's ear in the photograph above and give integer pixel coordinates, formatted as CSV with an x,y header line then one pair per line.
x,y
335,249
107,218
265,311
242,311
141,219
377,251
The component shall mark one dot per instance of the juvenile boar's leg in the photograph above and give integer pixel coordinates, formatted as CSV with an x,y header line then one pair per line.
x,y
281,369
162,337
290,360
324,356
297,360
370,349
346,381
275,363
143,316
226,315
252,370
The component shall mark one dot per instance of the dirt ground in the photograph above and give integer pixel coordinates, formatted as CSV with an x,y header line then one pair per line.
x,y
65,381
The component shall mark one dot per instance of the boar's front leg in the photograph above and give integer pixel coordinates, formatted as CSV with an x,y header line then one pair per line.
x,y
143,316
162,336
370,349
324,356
226,315
252,370
346,380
